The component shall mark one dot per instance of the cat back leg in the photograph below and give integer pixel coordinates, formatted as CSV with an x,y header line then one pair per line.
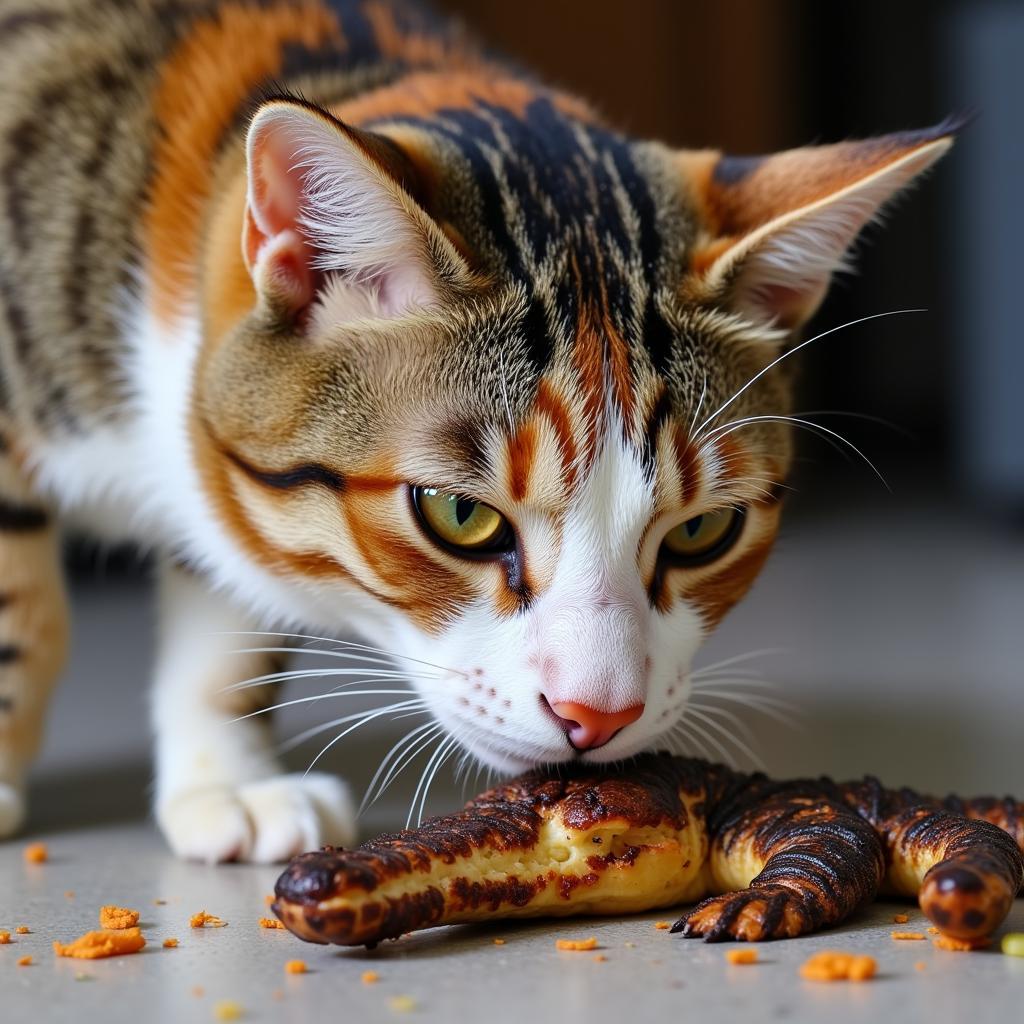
x,y
33,630
789,859
221,794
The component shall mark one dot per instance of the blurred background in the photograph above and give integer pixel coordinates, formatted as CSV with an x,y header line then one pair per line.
x,y
892,623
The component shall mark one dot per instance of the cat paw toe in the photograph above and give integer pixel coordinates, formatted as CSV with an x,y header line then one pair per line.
x,y
291,814
210,825
752,915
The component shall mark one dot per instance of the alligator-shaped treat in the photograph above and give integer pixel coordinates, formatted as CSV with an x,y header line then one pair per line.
x,y
777,859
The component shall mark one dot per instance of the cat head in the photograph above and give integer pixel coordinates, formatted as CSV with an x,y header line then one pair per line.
x,y
501,390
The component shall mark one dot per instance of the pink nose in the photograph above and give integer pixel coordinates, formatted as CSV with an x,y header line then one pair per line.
x,y
588,728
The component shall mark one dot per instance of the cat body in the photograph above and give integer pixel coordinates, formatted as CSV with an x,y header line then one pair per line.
x,y
358,328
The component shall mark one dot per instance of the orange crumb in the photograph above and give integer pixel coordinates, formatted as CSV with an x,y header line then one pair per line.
x,y
70,894
663,926
270,922
402,1004
600,958
295,967
370,977
228,1009
118,917
576,945
93,945
907,936
268,899
5,938
25,961
933,930
205,920
36,853
741,956
831,965
920,965
159,903
170,943
23,929
198,991
499,942
900,919
947,942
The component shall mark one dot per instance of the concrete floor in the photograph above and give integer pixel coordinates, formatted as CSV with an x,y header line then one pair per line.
x,y
901,648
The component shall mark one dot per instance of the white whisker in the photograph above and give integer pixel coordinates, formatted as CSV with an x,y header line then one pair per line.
x,y
394,752
796,348
315,730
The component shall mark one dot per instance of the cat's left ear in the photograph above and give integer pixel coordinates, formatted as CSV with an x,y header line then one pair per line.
x,y
777,227
327,201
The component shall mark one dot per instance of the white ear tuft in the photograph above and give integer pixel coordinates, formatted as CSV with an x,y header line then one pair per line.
x,y
778,272
310,182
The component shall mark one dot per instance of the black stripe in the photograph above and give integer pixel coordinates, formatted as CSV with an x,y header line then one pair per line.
x,y
21,518
27,19
9,654
6,704
288,479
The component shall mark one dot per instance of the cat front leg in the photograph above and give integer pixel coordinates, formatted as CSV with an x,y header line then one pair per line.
x,y
221,794
33,630
790,859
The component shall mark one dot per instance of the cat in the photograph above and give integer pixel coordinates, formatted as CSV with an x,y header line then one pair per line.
x,y
358,328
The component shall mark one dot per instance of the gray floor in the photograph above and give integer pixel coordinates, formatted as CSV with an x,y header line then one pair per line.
x,y
897,636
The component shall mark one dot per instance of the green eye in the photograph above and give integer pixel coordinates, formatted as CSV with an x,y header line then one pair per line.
x,y
704,538
461,522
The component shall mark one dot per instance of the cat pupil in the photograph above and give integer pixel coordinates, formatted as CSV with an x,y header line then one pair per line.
x,y
693,526
464,508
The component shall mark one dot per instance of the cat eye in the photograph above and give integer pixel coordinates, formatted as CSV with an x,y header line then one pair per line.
x,y
461,523
703,538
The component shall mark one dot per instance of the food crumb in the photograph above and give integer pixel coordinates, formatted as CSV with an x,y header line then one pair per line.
x,y
23,929
933,930
272,923
82,976
278,993
663,926
576,945
94,945
952,945
25,961
36,853
1013,944
907,936
228,1009
920,965
900,919
369,977
159,903
499,942
600,958
268,899
118,917
295,967
831,965
630,945
402,1004
5,938
205,920
741,956
70,894
170,943
198,991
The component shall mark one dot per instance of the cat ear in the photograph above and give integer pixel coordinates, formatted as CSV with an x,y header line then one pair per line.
x,y
326,201
780,226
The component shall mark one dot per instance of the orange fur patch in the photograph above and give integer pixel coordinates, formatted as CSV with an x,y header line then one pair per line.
x,y
522,450
214,67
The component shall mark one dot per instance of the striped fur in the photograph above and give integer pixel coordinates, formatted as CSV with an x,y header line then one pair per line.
x,y
266,264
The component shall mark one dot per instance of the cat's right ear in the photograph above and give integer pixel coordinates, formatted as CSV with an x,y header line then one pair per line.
x,y
328,201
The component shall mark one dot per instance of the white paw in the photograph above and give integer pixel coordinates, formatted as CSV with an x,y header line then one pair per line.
x,y
12,809
295,813
210,825
263,822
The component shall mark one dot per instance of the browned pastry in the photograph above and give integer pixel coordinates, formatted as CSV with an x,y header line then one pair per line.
x,y
786,858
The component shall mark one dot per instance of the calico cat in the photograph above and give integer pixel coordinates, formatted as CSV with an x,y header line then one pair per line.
x,y
359,328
